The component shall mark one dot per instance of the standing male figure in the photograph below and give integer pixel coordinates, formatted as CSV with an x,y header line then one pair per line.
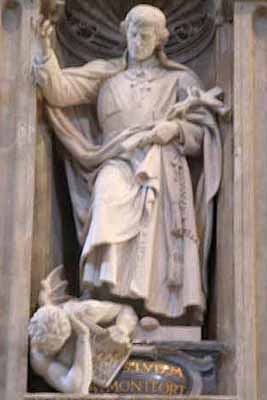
x,y
147,228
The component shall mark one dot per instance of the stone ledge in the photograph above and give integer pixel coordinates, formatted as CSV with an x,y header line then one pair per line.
x,y
166,370
44,396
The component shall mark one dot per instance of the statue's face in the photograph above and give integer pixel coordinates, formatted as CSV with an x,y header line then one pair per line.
x,y
141,40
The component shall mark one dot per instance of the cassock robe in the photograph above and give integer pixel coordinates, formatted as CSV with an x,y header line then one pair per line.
x,y
145,226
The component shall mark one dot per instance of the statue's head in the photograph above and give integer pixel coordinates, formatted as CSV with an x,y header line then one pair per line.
x,y
145,28
49,329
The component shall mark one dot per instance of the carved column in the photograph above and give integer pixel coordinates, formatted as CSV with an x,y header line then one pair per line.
x,y
47,228
250,206
222,315
17,154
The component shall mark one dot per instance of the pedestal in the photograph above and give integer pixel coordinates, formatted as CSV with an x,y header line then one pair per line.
x,y
159,369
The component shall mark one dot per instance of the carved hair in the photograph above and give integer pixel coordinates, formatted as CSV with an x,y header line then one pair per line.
x,y
150,15
49,328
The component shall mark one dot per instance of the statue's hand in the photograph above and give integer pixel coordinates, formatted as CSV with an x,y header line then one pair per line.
x,y
164,132
78,327
118,336
44,31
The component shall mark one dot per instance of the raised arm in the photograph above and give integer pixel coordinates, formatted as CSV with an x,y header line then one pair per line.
x,y
62,87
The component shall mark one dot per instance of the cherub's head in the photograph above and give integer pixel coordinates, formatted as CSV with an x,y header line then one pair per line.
x,y
145,28
49,329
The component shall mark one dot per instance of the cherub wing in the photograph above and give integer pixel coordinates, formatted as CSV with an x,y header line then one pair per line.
x,y
54,288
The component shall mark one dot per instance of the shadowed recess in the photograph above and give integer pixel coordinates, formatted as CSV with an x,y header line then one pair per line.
x,y
91,28
11,16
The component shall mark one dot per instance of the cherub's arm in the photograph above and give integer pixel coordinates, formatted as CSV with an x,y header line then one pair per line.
x,y
76,379
81,373
124,327
121,319
127,320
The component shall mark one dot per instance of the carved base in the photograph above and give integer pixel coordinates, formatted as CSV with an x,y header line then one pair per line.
x,y
122,397
168,334
159,369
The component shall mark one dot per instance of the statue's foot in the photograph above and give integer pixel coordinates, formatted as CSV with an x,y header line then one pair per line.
x,y
149,323
86,294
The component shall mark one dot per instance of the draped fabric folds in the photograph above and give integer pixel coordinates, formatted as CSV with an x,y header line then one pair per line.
x,y
144,225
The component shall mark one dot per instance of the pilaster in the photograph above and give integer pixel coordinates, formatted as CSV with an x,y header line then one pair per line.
x,y
250,193
17,154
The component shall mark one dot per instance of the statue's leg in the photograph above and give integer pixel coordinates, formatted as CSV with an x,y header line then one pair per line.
x,y
116,214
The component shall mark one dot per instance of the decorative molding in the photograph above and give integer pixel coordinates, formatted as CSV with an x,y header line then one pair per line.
x,y
121,397
224,11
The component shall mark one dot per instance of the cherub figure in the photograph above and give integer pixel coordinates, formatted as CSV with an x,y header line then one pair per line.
x,y
64,333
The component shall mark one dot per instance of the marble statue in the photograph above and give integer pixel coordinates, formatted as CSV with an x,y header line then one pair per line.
x,y
143,187
68,348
